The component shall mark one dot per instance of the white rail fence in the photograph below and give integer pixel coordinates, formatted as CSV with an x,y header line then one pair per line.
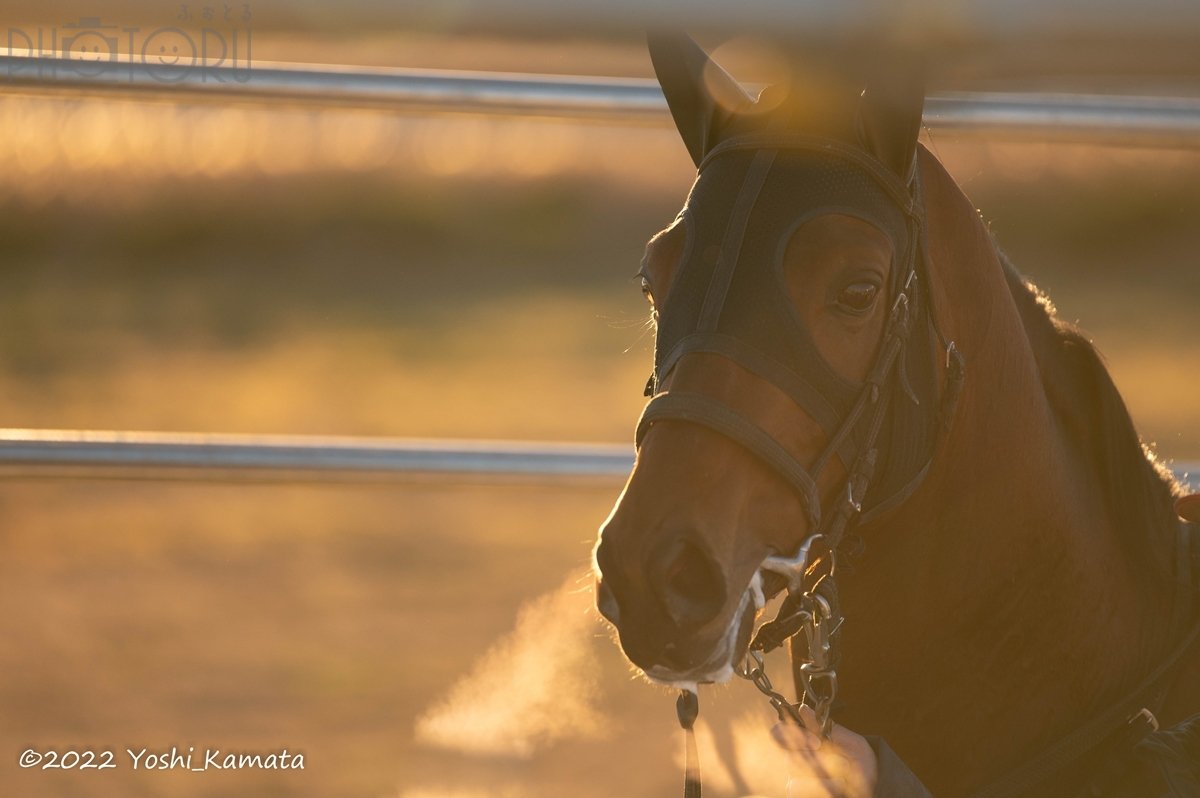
x,y
1145,27
1103,119
286,458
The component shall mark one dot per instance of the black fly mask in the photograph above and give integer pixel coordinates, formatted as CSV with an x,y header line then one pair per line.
x,y
761,175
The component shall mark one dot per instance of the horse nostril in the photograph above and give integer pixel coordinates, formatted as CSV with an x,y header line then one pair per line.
x,y
689,584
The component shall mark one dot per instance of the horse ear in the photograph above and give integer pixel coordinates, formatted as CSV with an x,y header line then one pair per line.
x,y
702,96
890,114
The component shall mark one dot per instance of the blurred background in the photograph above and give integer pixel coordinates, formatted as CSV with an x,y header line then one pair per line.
x,y
271,269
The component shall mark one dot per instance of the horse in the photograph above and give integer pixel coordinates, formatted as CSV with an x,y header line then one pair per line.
x,y
858,400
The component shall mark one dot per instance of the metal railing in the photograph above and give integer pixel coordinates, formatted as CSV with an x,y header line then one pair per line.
x,y
289,458
1116,120
963,24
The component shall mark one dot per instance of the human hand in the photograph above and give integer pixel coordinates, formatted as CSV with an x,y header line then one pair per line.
x,y
841,767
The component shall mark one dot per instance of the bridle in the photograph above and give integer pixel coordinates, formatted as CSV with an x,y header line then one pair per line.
x,y
810,614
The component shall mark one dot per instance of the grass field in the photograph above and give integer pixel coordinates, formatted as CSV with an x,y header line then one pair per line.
x,y
409,301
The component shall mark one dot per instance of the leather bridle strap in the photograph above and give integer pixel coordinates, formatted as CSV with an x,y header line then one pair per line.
x,y
795,385
699,409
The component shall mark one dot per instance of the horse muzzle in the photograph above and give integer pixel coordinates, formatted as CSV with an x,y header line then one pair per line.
x,y
676,624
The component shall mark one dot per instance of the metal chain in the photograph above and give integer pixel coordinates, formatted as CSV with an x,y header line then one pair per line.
x,y
753,669
813,615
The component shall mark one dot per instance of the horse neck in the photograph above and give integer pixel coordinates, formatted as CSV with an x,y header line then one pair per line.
x,y
1008,607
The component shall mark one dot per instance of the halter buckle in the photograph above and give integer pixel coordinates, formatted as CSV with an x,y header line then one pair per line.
x,y
851,502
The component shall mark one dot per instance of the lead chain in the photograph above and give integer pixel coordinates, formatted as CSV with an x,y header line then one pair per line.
x,y
818,678
753,669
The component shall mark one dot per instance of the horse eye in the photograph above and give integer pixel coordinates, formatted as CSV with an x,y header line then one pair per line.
x,y
858,297
646,291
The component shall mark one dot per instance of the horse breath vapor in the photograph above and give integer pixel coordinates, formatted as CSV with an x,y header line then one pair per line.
x,y
536,686
539,685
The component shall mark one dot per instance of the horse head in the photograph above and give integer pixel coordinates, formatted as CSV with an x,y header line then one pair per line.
x,y
794,385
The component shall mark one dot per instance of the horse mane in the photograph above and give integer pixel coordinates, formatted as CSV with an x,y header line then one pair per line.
x,y
1138,488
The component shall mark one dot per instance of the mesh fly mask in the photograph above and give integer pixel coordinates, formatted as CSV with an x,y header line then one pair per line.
x,y
729,298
